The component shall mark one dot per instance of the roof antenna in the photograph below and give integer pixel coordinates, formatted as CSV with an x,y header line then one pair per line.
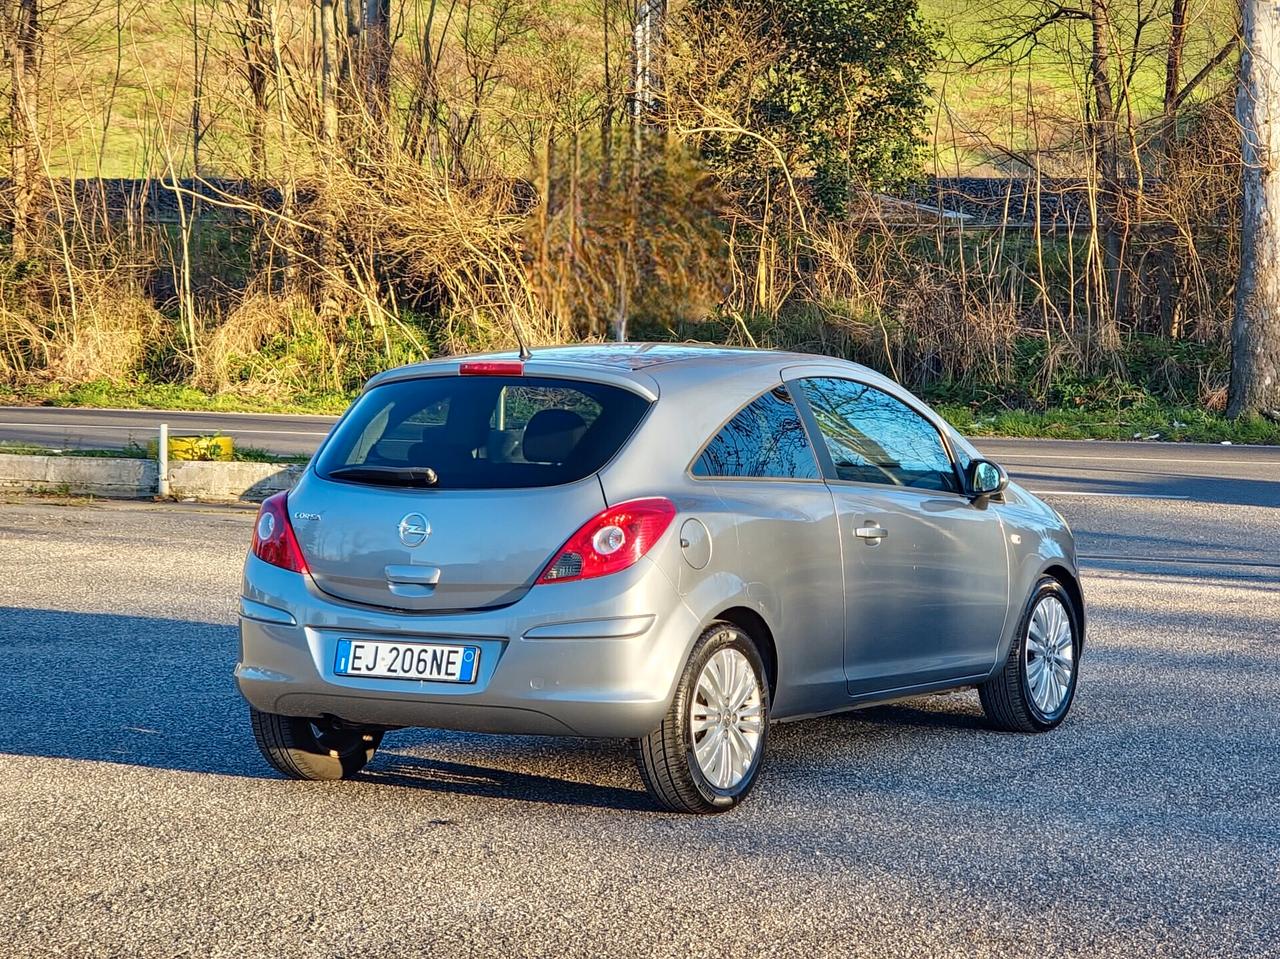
x,y
525,353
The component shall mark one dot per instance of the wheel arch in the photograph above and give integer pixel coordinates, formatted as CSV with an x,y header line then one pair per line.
x,y
754,625
1071,583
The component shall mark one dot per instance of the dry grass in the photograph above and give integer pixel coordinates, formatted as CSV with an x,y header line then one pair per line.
x,y
529,209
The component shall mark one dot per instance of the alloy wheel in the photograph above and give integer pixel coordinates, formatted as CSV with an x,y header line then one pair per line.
x,y
1050,655
726,718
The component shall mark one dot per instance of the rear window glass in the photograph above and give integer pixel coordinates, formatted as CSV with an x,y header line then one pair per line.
x,y
482,432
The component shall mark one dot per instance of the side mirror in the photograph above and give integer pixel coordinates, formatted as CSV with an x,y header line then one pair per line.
x,y
985,478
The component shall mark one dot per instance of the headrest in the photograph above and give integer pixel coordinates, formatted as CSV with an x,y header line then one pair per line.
x,y
552,435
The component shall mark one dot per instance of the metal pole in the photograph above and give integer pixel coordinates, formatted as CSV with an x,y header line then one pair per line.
x,y
162,462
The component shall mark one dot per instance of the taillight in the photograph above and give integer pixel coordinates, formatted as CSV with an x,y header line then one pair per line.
x,y
273,539
613,540
492,368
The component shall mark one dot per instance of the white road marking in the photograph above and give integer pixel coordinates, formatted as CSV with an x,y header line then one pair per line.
x,y
1120,458
1078,492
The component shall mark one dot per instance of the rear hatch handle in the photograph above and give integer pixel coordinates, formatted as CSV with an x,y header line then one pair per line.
x,y
412,581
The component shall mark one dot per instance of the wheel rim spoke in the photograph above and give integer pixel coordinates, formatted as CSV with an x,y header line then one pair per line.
x,y
1049,655
726,718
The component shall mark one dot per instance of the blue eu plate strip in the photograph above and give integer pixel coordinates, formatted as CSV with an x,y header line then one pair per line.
x,y
344,656
470,663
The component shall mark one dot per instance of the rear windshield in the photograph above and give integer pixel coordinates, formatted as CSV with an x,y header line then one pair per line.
x,y
481,432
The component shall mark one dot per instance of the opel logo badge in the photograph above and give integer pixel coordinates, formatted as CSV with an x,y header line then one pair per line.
x,y
414,530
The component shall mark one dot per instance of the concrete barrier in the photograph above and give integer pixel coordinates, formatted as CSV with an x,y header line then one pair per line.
x,y
251,482
78,475
136,478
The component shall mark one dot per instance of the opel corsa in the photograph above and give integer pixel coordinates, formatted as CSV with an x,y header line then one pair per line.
x,y
678,545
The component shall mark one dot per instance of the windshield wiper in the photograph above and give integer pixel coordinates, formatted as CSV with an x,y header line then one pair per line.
x,y
418,476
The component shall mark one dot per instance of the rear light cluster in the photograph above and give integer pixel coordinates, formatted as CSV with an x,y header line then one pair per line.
x,y
273,539
611,541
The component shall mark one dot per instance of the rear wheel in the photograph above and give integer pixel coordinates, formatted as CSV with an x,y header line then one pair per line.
x,y
318,749
705,756
1035,689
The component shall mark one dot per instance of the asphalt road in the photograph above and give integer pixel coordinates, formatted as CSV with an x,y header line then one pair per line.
x,y
1167,470
136,818
73,428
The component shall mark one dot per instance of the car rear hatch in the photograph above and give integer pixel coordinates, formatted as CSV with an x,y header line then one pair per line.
x,y
452,492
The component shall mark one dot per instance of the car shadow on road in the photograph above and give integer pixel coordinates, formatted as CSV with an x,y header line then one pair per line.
x,y
909,714
158,693
488,782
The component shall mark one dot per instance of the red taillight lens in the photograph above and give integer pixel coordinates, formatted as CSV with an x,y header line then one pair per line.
x,y
492,368
611,541
273,539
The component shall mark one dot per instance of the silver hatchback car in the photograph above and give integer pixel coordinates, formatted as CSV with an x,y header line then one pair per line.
x,y
674,544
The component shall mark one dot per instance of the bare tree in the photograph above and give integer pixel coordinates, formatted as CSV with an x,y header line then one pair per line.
x,y
23,48
253,32
1255,335
377,29
327,16
1105,134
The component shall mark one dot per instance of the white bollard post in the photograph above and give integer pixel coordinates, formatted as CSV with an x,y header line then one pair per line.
x,y
162,462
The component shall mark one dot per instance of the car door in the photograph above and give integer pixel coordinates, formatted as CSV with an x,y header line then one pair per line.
x,y
926,570
765,469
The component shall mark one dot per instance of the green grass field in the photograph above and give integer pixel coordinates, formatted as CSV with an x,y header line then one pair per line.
x,y
1030,98
124,83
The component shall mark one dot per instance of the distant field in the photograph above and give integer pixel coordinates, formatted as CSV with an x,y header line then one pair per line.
x,y
1030,98
124,96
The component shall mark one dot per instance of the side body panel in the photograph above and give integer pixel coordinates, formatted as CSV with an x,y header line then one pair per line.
x,y
926,571
775,546
927,603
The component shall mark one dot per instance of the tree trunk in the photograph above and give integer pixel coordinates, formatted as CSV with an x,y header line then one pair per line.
x,y
377,29
197,89
1255,334
1168,267
327,281
328,75
24,41
1106,148
257,63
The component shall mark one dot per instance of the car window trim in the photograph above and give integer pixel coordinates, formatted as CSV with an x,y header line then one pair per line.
x,y
827,464
715,433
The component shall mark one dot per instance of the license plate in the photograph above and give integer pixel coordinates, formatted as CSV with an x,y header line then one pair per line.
x,y
387,660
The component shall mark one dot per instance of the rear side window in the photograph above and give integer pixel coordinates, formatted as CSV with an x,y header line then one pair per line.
x,y
481,432
766,439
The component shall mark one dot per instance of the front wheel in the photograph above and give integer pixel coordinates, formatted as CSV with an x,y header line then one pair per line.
x,y
1037,685
705,756
318,749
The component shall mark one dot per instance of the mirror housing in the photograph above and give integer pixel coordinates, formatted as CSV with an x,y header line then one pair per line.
x,y
985,478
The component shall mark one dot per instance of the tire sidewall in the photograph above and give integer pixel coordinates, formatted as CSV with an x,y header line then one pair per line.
x,y
721,636
1044,588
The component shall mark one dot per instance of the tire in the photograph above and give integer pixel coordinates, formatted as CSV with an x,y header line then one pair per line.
x,y
668,757
314,749
1018,698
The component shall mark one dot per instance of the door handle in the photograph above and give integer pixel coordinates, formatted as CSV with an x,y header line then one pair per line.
x,y
872,534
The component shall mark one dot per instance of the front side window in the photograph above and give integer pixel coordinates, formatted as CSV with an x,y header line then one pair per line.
x,y
874,438
765,440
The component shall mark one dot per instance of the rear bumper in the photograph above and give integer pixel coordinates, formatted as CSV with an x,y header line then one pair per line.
x,y
595,658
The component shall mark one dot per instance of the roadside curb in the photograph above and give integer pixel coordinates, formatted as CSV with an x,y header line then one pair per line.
x,y
125,478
